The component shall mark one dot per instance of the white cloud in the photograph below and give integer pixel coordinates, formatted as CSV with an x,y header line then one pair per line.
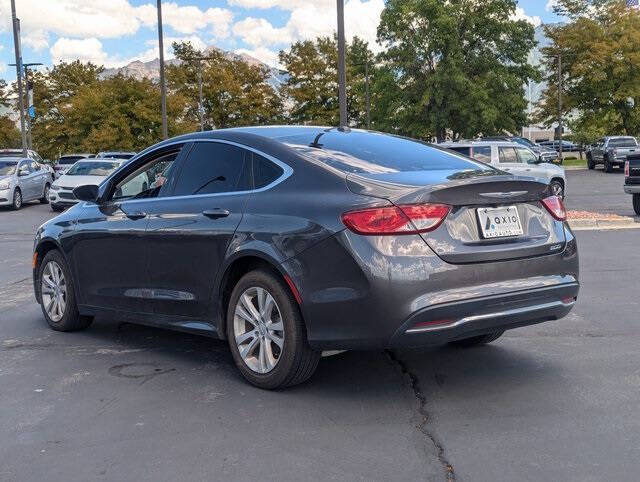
x,y
309,20
3,67
263,54
36,39
520,14
110,18
551,4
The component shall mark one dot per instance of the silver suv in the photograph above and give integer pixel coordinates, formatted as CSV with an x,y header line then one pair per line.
x,y
23,180
513,158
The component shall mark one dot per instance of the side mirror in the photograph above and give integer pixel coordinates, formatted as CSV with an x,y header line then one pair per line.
x,y
88,192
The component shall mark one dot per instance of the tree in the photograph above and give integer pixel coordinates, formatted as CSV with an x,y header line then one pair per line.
x,y
9,133
312,85
600,49
4,94
456,66
235,93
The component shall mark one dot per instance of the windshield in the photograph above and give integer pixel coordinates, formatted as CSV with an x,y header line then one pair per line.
x,y
524,142
92,168
7,168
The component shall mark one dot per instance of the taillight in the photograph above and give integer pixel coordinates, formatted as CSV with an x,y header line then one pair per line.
x,y
555,206
626,169
403,219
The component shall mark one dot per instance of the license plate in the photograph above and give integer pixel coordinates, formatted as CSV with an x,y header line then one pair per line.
x,y
499,222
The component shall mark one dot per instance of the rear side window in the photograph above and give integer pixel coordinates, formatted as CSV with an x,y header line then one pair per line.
x,y
212,168
264,171
482,153
507,155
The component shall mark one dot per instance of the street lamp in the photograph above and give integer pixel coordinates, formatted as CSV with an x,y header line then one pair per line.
x,y
342,76
16,45
163,86
29,99
200,102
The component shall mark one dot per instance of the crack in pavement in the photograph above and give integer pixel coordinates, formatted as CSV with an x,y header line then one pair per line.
x,y
414,384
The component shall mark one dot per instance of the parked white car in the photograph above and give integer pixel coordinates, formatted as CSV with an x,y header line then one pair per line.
x,y
22,180
89,171
513,158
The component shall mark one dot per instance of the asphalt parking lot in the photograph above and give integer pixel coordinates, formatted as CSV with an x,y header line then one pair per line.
x,y
557,401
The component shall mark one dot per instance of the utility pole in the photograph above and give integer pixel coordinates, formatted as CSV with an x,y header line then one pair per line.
x,y
163,86
342,74
16,45
560,106
29,99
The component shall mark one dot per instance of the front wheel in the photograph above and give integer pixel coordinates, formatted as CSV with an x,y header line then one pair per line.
x,y
57,297
557,188
17,199
591,164
608,167
266,333
45,195
636,203
478,340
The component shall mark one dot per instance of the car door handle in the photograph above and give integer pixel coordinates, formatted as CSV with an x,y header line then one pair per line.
x,y
136,215
216,213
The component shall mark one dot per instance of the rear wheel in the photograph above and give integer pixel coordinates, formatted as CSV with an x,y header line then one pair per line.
x,y
56,208
45,195
608,167
557,188
590,162
266,333
636,203
57,297
478,340
17,199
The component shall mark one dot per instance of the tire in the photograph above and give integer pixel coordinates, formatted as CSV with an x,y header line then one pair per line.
x,y
590,162
608,167
636,203
289,365
57,209
477,340
17,199
45,198
54,277
557,188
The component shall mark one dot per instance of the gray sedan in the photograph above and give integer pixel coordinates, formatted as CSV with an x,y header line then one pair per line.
x,y
23,180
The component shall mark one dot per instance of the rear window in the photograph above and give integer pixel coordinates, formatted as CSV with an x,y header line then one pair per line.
x,y
69,159
9,153
482,153
624,142
369,153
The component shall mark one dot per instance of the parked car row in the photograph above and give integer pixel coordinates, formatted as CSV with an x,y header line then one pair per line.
x,y
514,158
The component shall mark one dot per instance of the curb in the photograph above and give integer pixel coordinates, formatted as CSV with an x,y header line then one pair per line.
x,y
575,168
603,224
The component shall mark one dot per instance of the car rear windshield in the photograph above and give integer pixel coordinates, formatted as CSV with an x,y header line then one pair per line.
x,y
370,153
69,159
92,168
623,142
10,153
7,168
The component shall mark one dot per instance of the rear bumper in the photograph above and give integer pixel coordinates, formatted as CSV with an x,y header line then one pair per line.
x,y
362,292
632,188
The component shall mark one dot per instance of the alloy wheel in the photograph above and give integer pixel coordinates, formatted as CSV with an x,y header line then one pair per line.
x,y
258,329
53,289
556,189
46,192
17,199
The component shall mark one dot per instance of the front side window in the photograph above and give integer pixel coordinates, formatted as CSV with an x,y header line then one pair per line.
x,y
527,156
149,181
213,168
482,154
507,155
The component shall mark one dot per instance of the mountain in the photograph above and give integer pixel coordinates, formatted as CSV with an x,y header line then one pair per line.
x,y
151,69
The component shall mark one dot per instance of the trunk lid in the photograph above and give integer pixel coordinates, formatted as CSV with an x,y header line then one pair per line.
x,y
459,239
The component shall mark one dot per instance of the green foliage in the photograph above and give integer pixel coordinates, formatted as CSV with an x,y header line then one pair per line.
x,y
600,50
455,66
312,85
234,92
4,94
9,134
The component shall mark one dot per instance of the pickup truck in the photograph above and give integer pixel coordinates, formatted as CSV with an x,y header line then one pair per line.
x,y
611,151
632,180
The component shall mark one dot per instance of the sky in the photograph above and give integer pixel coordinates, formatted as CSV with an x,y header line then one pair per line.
x,y
116,32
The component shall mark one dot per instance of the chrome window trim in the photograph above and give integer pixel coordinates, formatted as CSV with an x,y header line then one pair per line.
x,y
287,172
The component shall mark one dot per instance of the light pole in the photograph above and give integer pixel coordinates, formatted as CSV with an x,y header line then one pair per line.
x,y
201,101
16,45
29,99
163,87
342,75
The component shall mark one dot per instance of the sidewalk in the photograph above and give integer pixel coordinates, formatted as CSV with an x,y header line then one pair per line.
x,y
587,220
